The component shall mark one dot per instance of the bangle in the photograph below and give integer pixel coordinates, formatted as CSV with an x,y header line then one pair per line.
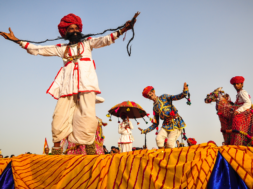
x,y
120,32
20,43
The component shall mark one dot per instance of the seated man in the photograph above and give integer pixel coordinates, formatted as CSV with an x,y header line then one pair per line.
x,y
241,120
163,109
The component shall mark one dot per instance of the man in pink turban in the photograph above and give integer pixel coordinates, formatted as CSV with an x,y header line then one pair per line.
x,y
76,84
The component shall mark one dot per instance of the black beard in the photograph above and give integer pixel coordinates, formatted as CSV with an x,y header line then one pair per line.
x,y
73,37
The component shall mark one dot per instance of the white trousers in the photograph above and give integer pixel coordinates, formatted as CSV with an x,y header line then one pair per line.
x,y
75,119
171,135
126,147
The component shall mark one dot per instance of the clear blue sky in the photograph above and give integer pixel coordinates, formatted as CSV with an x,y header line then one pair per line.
x,y
203,43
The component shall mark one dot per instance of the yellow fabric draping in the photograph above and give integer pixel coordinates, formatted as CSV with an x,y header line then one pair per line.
x,y
3,164
189,167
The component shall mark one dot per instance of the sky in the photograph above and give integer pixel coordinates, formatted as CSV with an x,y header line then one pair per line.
x,y
203,43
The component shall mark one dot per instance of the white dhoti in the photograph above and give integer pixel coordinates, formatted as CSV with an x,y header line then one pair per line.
x,y
125,142
170,135
75,118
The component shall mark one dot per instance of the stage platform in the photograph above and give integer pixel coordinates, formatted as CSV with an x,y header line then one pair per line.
x,y
200,166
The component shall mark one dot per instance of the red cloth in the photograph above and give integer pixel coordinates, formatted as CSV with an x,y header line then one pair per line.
x,y
146,90
68,20
237,79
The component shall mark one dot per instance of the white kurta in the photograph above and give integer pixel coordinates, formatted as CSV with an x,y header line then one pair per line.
x,y
76,76
126,139
243,98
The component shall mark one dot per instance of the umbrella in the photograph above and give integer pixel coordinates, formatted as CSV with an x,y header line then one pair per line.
x,y
130,108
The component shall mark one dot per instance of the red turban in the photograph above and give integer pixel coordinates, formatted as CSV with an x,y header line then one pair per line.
x,y
237,79
192,141
68,20
146,90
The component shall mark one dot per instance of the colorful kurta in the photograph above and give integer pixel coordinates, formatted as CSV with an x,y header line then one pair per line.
x,y
74,76
162,109
99,138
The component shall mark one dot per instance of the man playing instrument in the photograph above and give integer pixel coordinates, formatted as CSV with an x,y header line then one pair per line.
x,y
163,108
72,118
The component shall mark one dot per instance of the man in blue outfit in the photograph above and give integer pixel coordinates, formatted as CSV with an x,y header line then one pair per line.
x,y
163,109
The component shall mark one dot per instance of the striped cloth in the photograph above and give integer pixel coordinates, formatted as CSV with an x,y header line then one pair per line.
x,y
3,164
171,168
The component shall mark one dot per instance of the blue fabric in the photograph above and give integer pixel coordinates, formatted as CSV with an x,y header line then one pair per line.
x,y
224,176
6,178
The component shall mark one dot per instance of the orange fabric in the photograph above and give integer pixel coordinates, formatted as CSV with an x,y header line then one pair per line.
x,y
3,164
173,168
189,167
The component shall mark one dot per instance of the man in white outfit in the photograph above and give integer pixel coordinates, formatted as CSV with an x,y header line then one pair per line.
x,y
73,118
126,138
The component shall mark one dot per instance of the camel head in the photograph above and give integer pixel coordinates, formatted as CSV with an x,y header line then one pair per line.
x,y
217,94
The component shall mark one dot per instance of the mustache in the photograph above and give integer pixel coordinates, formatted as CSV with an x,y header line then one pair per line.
x,y
84,36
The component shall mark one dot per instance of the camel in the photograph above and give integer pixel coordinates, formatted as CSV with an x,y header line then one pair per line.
x,y
236,130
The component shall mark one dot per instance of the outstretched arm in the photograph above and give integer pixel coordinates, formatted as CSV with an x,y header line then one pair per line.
x,y
10,36
152,127
52,50
109,39
179,96
33,49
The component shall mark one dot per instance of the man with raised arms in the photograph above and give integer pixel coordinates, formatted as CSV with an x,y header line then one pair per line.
x,y
72,118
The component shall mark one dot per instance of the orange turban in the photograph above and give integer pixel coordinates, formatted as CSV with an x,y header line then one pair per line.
x,y
237,79
68,20
146,90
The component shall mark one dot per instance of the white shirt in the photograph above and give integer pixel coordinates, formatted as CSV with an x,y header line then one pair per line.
x,y
244,98
124,131
73,78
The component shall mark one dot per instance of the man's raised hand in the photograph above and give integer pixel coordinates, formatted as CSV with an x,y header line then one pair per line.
x,y
9,36
185,86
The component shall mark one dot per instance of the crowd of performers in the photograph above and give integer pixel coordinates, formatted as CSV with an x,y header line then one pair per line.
x,y
76,88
